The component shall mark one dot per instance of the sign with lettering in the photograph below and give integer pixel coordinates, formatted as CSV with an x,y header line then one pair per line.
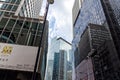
x,y
17,57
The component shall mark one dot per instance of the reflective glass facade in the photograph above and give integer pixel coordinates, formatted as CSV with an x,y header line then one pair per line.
x,y
19,30
9,6
20,24
91,12
56,66
24,31
60,66
57,44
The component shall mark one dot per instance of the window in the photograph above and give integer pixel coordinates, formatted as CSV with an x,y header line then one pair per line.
x,y
3,6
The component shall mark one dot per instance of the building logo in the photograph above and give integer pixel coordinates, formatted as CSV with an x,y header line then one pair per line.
x,y
7,50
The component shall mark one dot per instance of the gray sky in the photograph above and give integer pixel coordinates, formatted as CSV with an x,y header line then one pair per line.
x,y
60,19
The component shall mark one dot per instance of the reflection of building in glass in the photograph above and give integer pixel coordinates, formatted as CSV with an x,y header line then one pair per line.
x,y
58,44
20,24
92,13
100,12
20,30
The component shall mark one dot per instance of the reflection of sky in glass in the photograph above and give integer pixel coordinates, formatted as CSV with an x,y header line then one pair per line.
x,y
1,5
57,45
91,12
2,0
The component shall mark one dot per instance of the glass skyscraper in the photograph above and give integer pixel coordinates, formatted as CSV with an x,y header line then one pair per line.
x,y
100,12
92,13
21,27
59,47
60,66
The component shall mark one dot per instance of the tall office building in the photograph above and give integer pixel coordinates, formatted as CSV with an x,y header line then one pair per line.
x,y
92,37
105,59
55,75
111,11
90,12
60,66
101,12
20,34
25,8
58,44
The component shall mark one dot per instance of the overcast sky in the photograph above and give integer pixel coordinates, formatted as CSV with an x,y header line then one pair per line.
x,y
60,19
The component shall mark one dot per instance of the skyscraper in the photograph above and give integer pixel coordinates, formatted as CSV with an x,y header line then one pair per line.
x,y
59,47
20,35
90,12
93,36
60,66
101,12
105,59
25,8
111,11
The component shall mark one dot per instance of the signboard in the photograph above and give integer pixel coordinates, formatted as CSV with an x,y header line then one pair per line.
x,y
17,57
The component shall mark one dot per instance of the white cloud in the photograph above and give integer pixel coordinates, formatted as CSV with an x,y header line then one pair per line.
x,y
62,11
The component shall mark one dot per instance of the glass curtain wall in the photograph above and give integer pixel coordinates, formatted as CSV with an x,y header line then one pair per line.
x,y
91,12
8,6
19,30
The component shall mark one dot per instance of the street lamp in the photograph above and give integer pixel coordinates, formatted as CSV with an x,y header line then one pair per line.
x,y
50,1
38,52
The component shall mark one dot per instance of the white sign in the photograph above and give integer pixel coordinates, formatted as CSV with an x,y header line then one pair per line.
x,y
17,57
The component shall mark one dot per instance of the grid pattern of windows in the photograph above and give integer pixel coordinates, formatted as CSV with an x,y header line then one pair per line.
x,y
105,60
8,6
91,12
56,66
19,30
31,8
115,4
